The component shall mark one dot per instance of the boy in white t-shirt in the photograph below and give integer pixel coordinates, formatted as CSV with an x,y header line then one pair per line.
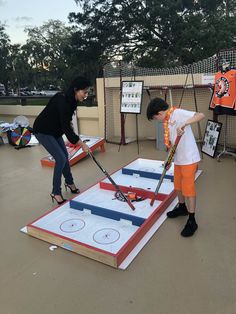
x,y
177,122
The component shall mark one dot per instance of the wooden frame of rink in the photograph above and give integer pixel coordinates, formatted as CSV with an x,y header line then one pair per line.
x,y
105,257
144,224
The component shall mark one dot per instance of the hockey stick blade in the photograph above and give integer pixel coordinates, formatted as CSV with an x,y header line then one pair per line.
x,y
112,181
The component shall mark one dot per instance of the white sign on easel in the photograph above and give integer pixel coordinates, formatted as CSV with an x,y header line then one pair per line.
x,y
131,96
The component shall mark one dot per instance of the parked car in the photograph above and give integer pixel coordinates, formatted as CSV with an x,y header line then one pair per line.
x,y
49,93
24,94
11,94
2,90
35,92
24,91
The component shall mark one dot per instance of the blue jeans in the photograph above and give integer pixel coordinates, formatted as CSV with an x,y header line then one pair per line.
x,y
56,147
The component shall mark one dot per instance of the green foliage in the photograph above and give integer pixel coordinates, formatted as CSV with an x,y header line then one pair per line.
x,y
150,33
46,47
21,74
5,66
155,32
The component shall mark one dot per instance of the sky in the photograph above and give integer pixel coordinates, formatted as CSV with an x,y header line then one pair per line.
x,y
17,14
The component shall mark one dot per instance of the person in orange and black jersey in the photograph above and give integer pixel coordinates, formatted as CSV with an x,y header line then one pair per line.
x,y
223,99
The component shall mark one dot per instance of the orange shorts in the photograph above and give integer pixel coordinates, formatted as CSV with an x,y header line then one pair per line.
x,y
184,179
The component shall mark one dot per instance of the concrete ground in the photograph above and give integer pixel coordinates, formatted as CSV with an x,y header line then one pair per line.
x,y
171,275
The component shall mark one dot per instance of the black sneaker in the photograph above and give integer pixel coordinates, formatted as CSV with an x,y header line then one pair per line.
x,y
189,229
179,210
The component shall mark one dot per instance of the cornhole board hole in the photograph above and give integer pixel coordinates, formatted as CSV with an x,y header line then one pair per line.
x,y
76,153
98,225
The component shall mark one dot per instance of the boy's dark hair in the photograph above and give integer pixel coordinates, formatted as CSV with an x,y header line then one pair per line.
x,y
155,106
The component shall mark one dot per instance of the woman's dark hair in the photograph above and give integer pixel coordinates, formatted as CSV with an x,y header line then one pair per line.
x,y
155,106
79,83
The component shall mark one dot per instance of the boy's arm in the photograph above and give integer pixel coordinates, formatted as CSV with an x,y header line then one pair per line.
x,y
198,116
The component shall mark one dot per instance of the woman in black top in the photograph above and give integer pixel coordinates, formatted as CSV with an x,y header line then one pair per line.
x,y
52,123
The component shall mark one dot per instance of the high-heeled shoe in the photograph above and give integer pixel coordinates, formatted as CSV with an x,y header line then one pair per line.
x,y
74,191
58,202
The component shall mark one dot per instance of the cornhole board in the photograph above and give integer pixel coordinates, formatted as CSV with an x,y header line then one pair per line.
x,y
97,225
76,153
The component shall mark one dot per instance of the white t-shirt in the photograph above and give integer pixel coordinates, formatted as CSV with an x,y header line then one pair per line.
x,y
187,151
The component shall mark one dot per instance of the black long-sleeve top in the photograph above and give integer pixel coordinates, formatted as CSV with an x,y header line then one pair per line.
x,y
55,119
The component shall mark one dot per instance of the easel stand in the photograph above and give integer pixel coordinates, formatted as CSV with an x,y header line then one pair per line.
x,y
225,151
137,132
122,139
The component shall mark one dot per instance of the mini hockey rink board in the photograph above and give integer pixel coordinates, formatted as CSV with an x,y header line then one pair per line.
x,y
97,225
75,153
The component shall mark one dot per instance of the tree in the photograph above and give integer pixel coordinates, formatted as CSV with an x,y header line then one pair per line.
x,y
15,70
46,47
5,66
22,73
154,32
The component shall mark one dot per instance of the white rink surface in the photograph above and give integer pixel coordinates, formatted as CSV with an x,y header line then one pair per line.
x,y
149,165
84,227
106,199
100,232
137,181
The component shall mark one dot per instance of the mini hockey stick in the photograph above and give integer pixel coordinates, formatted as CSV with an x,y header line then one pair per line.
x,y
166,167
112,181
